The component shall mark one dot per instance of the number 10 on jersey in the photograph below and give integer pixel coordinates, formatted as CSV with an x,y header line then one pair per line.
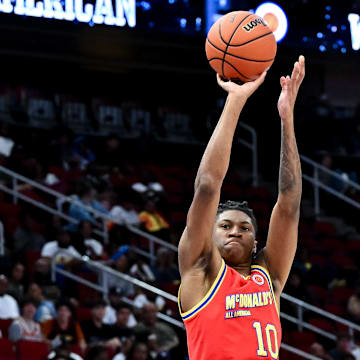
x,y
269,330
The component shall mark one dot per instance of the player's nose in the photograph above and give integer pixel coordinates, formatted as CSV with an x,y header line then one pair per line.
x,y
235,233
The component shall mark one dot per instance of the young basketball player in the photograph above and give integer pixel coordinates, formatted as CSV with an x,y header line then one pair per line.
x,y
229,299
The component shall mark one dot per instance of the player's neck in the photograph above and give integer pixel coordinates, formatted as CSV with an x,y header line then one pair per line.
x,y
243,269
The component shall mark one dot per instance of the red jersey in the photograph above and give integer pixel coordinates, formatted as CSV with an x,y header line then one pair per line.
x,y
238,318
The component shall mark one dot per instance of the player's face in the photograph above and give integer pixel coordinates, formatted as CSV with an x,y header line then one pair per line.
x,y
234,235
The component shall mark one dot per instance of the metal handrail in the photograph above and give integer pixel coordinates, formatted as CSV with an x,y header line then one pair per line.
x,y
104,289
15,178
318,184
253,147
151,238
299,352
352,326
2,239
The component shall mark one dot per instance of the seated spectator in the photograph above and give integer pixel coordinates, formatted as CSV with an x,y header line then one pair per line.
x,y
9,308
25,328
84,242
122,330
121,264
83,152
98,333
15,286
139,351
62,242
343,348
62,355
86,196
318,350
125,214
45,307
165,270
144,296
64,350
353,305
142,271
97,352
115,299
166,337
121,326
64,327
153,222
26,238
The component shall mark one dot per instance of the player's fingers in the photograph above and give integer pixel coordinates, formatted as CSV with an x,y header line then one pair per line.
x,y
282,81
296,72
301,69
221,82
260,79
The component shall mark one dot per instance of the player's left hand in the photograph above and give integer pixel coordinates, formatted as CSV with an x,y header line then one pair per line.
x,y
289,89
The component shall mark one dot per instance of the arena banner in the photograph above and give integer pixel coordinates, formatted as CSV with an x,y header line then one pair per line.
x,y
108,12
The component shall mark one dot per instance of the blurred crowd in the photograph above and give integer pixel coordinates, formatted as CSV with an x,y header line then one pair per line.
x,y
135,185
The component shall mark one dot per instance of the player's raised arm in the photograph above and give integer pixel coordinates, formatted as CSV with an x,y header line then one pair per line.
x,y
283,230
196,241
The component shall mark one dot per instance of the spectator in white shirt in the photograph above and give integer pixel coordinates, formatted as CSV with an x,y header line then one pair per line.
x,y
62,243
84,242
116,299
125,214
9,308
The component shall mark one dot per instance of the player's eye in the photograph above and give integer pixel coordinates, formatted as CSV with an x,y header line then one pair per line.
x,y
225,226
245,228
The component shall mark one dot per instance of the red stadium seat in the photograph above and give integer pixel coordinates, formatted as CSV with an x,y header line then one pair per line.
x,y
335,309
302,339
323,324
4,326
32,350
83,313
324,228
319,293
6,350
317,259
353,245
333,244
340,295
344,262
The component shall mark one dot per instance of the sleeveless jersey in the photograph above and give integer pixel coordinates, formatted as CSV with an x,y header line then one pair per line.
x,y
238,318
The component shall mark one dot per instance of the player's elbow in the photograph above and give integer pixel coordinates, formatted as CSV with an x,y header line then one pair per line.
x,y
289,209
207,184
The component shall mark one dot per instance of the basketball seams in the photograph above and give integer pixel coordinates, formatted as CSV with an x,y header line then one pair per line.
x,y
239,57
249,41
228,43
228,63
217,47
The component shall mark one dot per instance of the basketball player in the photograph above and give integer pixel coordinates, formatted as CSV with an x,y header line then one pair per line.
x,y
229,297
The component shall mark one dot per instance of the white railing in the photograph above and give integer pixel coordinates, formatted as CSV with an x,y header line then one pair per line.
x,y
16,179
253,147
101,228
315,179
105,272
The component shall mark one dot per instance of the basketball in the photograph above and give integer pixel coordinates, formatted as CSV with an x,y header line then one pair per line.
x,y
240,46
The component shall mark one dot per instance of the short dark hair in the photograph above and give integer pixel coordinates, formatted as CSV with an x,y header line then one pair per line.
x,y
241,206
123,305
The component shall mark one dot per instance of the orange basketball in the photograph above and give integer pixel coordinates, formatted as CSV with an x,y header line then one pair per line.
x,y
240,45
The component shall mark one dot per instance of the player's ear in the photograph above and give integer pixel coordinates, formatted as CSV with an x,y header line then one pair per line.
x,y
255,247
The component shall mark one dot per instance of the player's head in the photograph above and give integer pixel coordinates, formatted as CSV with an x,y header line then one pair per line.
x,y
235,232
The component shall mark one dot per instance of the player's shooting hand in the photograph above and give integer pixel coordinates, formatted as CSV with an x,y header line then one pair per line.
x,y
243,91
289,89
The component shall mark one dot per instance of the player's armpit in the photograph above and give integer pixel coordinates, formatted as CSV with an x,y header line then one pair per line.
x,y
281,244
197,237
